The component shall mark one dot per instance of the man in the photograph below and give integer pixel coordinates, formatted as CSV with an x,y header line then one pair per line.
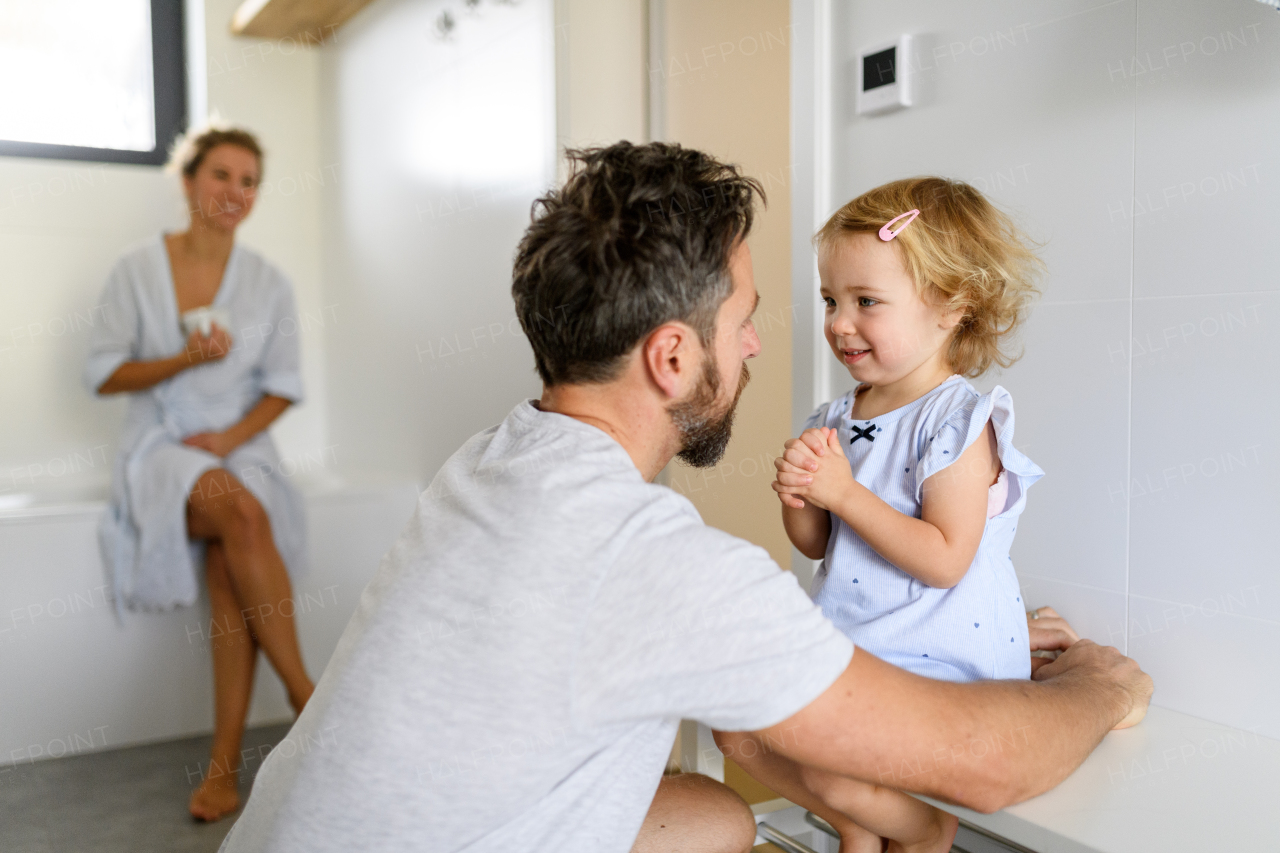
x,y
514,675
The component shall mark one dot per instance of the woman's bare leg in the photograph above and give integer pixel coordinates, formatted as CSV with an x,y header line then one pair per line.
x,y
221,508
234,656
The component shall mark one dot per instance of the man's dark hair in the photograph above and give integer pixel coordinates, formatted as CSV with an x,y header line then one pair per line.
x,y
640,235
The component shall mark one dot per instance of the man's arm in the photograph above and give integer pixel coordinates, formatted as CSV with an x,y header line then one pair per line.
x,y
985,745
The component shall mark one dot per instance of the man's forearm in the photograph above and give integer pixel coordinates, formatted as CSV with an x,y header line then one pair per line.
x,y
984,745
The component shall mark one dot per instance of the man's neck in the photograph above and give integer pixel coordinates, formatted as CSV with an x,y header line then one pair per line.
x,y
625,414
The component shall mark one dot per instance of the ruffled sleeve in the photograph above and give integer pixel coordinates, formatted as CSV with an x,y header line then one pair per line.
x,y
115,340
961,427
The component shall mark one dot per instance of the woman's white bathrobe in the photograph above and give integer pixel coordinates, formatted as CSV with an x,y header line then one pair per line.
x,y
151,563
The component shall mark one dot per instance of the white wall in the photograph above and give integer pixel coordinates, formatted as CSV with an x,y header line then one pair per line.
x,y
63,224
442,144
78,681
70,668
1137,139
601,80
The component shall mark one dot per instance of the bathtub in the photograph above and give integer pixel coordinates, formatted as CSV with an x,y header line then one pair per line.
x,y
77,680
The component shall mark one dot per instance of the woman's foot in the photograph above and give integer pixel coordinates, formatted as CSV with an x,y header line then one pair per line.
x,y
298,700
216,797
940,839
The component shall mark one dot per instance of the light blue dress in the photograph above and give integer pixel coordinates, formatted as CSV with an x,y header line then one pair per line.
x,y
151,563
978,628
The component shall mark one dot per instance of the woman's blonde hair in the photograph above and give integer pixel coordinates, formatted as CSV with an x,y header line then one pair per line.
x,y
962,253
190,149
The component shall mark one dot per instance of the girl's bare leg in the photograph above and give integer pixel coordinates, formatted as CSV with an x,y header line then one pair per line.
x,y
861,812
911,826
784,777
221,508
234,656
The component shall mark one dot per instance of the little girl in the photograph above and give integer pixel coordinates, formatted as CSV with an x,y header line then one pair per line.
x,y
909,487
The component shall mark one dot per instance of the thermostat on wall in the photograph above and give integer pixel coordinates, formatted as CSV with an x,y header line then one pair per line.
x,y
884,77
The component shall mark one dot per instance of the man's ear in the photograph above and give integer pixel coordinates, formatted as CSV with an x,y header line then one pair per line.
x,y
670,354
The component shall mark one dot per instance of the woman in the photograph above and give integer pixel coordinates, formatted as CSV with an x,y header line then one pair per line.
x,y
197,473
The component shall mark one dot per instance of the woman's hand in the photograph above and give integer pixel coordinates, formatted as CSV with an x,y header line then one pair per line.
x,y
211,347
217,443
813,469
141,375
1049,632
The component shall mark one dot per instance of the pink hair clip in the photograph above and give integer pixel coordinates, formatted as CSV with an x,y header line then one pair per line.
x,y
886,234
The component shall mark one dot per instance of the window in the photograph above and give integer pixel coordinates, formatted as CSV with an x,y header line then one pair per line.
x,y
92,79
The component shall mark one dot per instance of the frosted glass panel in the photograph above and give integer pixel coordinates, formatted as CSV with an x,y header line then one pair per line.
x,y
77,72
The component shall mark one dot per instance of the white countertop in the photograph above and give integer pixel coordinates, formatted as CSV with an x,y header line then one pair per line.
x,y
1172,783
21,507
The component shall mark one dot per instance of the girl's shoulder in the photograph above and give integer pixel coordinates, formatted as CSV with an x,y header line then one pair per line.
x,y
956,406
955,418
951,399
954,402
821,414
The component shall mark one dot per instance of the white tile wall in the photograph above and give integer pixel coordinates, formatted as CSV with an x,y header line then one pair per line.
x,y
1205,478
1210,656
1207,169
1137,141
1071,401
1098,614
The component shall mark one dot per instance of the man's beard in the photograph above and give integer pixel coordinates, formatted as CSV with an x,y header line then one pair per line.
x,y
704,431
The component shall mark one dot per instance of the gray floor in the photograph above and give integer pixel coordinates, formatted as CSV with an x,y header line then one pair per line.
x,y
121,801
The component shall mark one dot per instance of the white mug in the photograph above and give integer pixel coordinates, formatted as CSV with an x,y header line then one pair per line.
x,y
203,318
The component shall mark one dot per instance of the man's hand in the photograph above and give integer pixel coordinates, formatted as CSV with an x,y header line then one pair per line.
x,y
813,469
1085,657
1049,633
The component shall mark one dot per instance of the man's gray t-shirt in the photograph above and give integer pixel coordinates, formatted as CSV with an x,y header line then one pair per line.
x,y
514,674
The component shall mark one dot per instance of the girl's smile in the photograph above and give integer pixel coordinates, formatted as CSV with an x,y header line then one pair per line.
x,y
876,322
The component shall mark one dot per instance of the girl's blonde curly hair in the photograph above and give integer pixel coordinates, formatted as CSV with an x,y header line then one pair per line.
x,y
962,253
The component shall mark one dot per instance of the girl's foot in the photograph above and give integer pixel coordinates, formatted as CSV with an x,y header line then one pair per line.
x,y
855,839
938,841
216,797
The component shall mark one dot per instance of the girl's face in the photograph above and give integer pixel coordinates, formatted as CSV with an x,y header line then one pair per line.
x,y
876,323
222,191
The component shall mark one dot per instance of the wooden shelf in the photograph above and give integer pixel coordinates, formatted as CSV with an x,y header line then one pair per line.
x,y
308,21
